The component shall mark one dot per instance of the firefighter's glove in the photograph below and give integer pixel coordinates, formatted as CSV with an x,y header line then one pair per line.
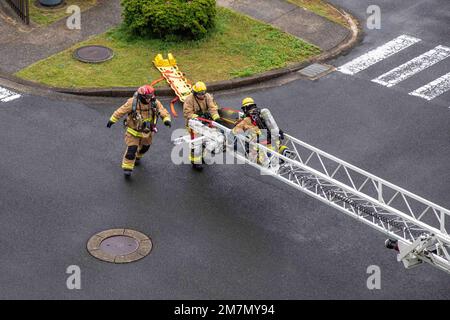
x,y
110,123
168,123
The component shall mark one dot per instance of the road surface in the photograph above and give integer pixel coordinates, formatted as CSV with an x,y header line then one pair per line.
x,y
228,232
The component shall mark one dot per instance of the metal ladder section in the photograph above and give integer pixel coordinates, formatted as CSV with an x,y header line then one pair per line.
x,y
417,226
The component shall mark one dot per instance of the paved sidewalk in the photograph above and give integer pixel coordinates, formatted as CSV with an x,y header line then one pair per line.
x,y
292,19
20,47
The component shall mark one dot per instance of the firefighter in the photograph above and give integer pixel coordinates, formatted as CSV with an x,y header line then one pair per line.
x,y
199,104
255,120
247,124
142,113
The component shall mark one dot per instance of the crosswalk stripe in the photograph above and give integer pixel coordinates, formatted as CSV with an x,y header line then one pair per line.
x,y
434,88
416,65
376,55
7,95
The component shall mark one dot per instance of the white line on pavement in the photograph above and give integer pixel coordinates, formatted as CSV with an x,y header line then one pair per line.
x,y
410,68
6,95
434,88
11,98
372,57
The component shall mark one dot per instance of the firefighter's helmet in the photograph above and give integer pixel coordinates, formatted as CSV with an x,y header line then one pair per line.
x,y
146,94
146,90
199,88
248,104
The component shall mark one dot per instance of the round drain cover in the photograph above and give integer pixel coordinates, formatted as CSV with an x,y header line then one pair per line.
x,y
50,4
119,245
93,54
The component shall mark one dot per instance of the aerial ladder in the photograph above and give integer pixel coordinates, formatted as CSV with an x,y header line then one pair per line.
x,y
415,227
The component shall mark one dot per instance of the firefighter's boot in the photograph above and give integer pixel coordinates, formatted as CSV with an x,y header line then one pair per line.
x,y
127,173
129,159
197,166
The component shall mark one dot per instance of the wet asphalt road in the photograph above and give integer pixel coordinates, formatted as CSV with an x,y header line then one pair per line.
x,y
227,233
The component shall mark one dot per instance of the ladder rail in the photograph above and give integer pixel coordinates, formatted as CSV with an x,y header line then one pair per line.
x,y
382,187
434,260
367,174
445,238
322,183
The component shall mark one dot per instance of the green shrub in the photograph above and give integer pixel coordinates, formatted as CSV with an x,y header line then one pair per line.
x,y
168,18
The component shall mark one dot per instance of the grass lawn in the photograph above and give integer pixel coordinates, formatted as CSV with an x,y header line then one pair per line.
x,y
322,9
239,46
44,17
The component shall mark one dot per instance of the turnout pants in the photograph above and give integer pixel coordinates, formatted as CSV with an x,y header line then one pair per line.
x,y
136,148
196,154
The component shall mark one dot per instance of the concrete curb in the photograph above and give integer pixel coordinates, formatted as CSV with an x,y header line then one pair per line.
x,y
343,48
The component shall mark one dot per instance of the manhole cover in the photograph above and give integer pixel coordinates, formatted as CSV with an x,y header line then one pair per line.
x,y
119,245
93,54
50,4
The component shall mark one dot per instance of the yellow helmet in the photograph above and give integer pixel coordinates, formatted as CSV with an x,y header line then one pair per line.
x,y
247,102
199,87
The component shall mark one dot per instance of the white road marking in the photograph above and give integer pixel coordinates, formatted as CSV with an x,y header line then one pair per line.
x,y
434,88
11,98
6,95
376,55
416,65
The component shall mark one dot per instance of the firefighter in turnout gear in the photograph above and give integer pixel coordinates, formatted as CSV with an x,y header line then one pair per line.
x,y
199,104
142,113
247,124
255,123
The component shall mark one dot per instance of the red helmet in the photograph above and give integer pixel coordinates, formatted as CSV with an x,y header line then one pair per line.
x,y
147,90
